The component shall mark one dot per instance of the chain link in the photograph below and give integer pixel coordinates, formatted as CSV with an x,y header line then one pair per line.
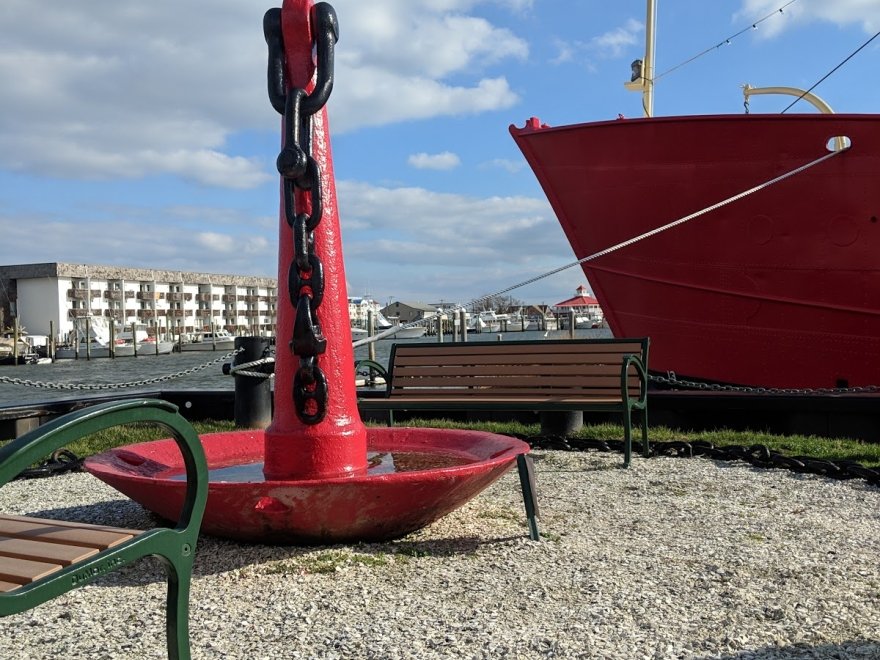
x,y
673,381
301,172
115,386
757,455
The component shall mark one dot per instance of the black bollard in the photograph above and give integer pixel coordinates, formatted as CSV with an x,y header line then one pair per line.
x,y
562,423
253,395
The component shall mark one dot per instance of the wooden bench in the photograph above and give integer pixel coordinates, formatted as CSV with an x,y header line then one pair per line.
x,y
608,375
42,558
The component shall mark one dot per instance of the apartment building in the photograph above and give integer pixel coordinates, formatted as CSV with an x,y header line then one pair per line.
x,y
61,295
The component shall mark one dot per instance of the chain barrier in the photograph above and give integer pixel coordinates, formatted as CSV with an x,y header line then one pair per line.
x,y
301,172
114,386
756,455
61,461
671,380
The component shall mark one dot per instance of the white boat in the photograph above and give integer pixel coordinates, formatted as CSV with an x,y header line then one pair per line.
x,y
413,332
219,340
97,349
516,322
485,321
585,321
358,333
23,353
97,344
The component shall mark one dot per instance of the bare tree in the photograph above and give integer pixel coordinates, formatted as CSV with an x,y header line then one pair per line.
x,y
498,304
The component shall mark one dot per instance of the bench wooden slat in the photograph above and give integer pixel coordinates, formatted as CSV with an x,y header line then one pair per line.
x,y
8,586
534,381
613,347
567,369
23,571
534,394
439,396
501,359
100,537
55,553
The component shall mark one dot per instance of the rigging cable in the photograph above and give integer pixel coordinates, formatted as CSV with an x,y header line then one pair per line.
x,y
822,79
724,42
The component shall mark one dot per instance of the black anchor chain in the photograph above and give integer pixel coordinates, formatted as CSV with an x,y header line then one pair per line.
x,y
756,455
300,171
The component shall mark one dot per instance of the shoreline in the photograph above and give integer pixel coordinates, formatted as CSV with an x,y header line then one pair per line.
x,y
673,558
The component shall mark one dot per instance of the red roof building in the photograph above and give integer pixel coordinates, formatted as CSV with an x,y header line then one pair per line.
x,y
586,308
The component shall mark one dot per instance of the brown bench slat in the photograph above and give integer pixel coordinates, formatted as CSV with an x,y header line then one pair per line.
x,y
439,396
24,571
514,396
63,532
54,553
585,371
499,359
530,380
528,348
8,586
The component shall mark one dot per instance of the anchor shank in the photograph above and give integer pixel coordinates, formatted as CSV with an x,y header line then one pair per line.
x,y
336,445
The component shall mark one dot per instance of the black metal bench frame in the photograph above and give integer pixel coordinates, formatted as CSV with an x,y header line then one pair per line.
x,y
29,583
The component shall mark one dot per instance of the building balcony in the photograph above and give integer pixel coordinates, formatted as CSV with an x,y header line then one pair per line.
x,y
149,295
78,313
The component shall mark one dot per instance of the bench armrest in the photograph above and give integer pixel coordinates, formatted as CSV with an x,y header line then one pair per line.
x,y
380,370
22,452
636,361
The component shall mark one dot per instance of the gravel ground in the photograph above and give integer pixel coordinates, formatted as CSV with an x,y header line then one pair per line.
x,y
673,558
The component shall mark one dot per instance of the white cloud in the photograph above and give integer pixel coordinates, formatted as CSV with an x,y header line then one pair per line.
x,y
511,166
442,161
615,42
450,245
841,12
229,250
107,89
407,242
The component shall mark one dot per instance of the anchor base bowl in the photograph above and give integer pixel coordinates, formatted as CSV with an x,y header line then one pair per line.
x,y
416,476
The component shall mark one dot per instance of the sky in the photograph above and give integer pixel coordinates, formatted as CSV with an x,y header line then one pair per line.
x,y
140,133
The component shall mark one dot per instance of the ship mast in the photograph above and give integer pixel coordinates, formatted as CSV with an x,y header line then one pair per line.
x,y
643,70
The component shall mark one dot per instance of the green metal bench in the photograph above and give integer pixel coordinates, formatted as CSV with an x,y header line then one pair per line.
x,y
41,558
606,375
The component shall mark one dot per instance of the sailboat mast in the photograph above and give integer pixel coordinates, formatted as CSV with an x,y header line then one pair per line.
x,y
643,70
648,65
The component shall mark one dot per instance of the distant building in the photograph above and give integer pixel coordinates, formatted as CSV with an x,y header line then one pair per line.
x,y
585,307
359,310
165,301
408,311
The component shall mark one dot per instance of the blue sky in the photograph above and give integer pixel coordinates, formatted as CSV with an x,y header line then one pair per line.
x,y
140,133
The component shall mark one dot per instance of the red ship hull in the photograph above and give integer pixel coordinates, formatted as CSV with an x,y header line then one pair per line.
x,y
778,289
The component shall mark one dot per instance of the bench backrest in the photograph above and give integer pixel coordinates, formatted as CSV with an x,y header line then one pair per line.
x,y
565,368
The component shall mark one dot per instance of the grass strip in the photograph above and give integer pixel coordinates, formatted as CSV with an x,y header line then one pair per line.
x,y
833,449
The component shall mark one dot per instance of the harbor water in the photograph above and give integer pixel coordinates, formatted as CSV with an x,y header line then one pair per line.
x,y
187,371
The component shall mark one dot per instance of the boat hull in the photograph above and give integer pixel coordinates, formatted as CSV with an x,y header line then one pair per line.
x,y
777,289
219,345
122,350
